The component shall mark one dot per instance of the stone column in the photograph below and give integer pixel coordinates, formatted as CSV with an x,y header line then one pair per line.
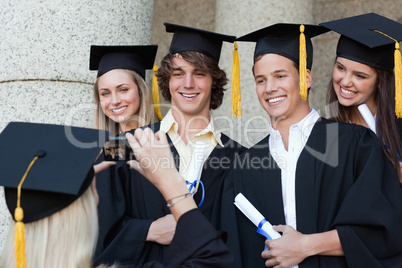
x,y
44,56
239,17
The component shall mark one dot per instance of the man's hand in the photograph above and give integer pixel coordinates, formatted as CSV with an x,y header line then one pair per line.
x,y
287,250
162,230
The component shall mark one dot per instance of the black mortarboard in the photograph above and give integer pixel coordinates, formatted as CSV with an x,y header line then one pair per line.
x,y
360,40
135,58
60,174
192,39
289,40
283,39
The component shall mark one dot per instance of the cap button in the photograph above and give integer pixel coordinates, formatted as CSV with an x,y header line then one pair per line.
x,y
40,153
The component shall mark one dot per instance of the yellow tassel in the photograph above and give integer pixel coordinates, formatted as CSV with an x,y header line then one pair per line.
x,y
303,64
398,75
19,230
19,240
155,94
236,95
398,81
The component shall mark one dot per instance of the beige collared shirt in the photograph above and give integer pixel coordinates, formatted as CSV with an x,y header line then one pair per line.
x,y
208,136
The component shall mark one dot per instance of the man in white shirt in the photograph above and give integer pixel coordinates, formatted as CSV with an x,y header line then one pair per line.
x,y
323,176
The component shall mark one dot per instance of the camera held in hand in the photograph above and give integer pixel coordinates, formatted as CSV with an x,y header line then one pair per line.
x,y
117,149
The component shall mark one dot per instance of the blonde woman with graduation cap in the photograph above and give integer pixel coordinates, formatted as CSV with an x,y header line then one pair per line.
x,y
121,94
49,183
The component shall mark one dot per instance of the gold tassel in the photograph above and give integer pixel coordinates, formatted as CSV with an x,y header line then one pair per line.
x,y
303,64
19,240
19,230
236,95
398,81
398,75
155,94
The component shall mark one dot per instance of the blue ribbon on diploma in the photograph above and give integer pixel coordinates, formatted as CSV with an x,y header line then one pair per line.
x,y
263,226
262,232
192,185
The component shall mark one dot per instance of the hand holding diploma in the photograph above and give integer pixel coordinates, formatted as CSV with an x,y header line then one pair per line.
x,y
264,227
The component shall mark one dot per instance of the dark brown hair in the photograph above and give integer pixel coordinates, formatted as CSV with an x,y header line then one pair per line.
x,y
385,121
201,62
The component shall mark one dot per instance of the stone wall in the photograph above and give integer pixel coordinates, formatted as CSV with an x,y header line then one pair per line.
x,y
44,54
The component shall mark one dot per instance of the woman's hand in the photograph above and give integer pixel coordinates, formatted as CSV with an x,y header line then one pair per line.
x,y
153,157
154,160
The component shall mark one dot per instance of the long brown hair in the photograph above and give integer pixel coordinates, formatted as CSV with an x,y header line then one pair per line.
x,y
386,128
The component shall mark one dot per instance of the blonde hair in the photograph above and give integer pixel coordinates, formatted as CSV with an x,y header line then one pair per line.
x,y
65,239
145,114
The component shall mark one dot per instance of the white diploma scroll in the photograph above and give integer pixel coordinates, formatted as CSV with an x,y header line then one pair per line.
x,y
254,215
367,116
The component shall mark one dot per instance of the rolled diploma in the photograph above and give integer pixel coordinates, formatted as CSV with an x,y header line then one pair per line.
x,y
254,215
367,116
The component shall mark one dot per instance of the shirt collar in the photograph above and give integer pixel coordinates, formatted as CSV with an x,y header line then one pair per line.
x,y
169,123
305,126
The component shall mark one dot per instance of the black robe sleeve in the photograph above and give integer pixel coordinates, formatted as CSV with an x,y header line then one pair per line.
x,y
344,181
369,220
111,209
196,244
124,242
226,217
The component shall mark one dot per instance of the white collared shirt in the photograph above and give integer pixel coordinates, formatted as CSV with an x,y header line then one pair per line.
x,y
287,160
209,136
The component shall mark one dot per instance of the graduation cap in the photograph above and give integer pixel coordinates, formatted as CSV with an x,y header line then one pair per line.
x,y
135,58
373,40
192,39
44,169
289,40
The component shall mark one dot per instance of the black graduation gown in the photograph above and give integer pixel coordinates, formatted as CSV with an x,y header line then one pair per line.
x,y
196,247
131,203
343,181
